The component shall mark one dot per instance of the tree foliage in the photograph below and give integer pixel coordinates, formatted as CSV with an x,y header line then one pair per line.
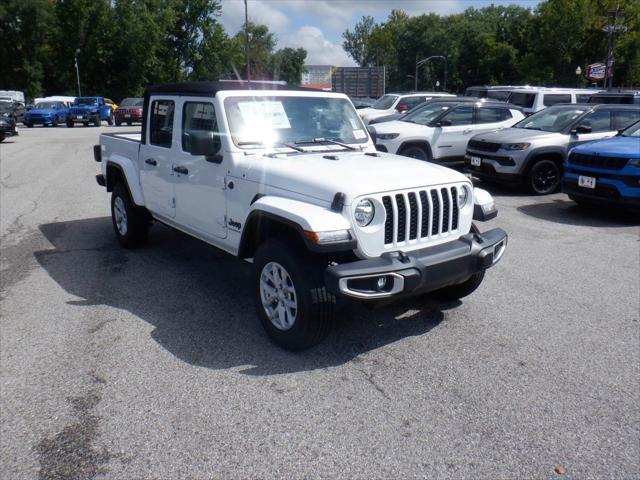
x,y
499,45
123,45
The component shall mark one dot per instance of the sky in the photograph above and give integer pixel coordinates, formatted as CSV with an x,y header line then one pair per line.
x,y
317,25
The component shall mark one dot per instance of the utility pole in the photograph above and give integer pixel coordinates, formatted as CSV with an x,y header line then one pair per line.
x,y
613,30
422,62
246,39
77,71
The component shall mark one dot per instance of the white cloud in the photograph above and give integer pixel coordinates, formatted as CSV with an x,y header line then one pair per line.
x,y
260,11
320,51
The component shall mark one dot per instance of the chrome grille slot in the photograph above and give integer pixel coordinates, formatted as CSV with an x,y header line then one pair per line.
x,y
420,215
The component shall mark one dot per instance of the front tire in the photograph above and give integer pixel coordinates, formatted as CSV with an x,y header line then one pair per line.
x,y
417,152
130,223
292,303
110,120
461,290
96,121
544,177
69,123
29,125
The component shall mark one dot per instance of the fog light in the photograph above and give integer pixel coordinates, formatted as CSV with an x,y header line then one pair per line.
x,y
382,282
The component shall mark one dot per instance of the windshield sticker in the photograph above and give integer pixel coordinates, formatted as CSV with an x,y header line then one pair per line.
x,y
259,114
359,134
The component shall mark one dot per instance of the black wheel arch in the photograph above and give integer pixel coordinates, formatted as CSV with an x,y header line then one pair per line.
x,y
416,143
261,225
555,155
115,175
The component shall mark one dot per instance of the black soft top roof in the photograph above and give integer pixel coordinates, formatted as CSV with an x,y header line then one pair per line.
x,y
210,88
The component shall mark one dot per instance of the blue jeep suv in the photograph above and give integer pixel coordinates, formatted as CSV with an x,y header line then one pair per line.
x,y
606,171
87,110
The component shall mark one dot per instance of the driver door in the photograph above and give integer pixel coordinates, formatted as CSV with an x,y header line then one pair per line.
x,y
455,131
199,180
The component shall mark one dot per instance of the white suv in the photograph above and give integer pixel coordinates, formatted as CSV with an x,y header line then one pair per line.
x,y
397,103
534,99
440,131
291,180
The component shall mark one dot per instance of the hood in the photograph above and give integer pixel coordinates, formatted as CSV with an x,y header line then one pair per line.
x,y
353,173
625,147
405,129
516,135
82,108
42,111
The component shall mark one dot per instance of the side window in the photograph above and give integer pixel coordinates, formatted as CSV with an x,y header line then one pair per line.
x,y
197,117
492,115
161,123
412,101
624,118
459,116
101,101
599,121
582,97
555,98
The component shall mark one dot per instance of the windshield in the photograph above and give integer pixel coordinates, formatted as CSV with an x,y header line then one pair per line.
x,y
6,107
86,101
132,102
385,102
47,105
260,121
426,114
632,131
553,119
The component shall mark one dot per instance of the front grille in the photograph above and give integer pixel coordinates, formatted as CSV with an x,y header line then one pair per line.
x,y
483,146
597,161
420,214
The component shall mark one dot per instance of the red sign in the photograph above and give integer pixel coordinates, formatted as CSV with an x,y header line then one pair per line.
x,y
596,72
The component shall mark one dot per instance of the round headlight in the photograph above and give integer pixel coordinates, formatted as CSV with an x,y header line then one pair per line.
x,y
463,196
365,212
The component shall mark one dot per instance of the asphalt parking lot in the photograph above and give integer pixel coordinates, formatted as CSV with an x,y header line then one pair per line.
x,y
151,364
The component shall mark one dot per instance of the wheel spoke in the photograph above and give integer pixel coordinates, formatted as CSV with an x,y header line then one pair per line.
x,y
278,296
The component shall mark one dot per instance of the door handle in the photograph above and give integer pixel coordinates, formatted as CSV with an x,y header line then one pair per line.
x,y
467,131
181,170
151,161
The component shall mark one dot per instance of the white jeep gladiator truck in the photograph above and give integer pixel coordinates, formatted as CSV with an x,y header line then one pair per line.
x,y
290,180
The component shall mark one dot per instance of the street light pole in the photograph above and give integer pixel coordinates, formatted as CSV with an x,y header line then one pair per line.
x,y
246,39
78,71
425,60
578,73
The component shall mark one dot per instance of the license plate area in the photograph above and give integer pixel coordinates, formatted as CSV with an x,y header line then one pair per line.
x,y
475,161
586,182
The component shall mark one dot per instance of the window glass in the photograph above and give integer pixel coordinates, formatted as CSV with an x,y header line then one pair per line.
x,y
459,116
492,115
624,118
555,98
411,102
197,117
501,95
161,123
524,100
426,114
552,119
599,121
582,97
385,102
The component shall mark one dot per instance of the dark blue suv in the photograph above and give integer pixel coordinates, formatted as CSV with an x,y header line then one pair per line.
x,y
606,171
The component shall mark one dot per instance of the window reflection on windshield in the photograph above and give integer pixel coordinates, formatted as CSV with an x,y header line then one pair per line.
x,y
259,121
551,119
86,101
632,131
385,102
426,114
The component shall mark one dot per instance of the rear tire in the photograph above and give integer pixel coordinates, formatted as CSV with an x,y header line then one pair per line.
x,y
118,123
417,152
291,300
544,177
130,223
110,119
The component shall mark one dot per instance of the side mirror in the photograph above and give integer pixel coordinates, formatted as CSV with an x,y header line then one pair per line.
x,y
443,123
372,133
205,143
583,129
402,107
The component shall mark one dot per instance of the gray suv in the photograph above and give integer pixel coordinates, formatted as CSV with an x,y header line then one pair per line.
x,y
533,151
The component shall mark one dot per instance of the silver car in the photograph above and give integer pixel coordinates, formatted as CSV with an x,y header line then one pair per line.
x,y
533,151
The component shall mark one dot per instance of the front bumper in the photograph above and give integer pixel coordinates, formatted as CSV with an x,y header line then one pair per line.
x,y
417,272
81,117
607,191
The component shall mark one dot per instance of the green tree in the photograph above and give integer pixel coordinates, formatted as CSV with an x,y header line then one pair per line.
x,y
288,65
261,45
357,43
